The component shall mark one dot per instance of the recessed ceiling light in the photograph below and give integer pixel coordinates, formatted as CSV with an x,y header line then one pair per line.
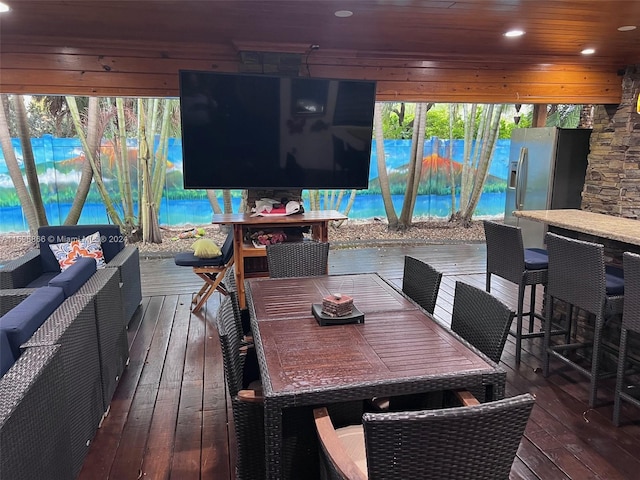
x,y
4,7
343,13
626,28
588,51
514,33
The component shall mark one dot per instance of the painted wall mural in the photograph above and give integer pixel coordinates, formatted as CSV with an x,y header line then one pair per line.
x,y
59,162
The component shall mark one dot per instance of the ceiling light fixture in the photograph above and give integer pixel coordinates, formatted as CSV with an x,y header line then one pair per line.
x,y
343,13
588,51
4,7
626,28
514,33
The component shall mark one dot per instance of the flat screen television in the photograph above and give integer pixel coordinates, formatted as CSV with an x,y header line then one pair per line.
x,y
248,131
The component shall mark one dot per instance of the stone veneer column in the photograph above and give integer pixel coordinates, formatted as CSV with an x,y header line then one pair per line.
x,y
612,186
612,183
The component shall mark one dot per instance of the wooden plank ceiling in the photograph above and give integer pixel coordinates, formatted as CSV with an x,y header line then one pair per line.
x,y
431,50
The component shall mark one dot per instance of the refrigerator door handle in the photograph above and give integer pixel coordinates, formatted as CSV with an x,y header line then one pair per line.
x,y
521,177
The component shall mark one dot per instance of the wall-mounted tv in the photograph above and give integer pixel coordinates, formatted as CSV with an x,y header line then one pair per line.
x,y
247,131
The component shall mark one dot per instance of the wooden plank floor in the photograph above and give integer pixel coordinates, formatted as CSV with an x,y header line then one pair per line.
x,y
170,416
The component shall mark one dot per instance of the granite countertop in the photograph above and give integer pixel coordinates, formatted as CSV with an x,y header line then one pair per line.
x,y
606,226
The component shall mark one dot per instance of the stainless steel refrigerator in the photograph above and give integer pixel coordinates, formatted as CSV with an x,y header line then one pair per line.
x,y
546,171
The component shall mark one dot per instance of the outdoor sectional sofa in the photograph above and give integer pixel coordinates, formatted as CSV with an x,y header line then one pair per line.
x,y
36,267
63,349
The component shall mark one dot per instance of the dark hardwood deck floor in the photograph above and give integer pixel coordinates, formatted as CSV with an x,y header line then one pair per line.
x,y
170,417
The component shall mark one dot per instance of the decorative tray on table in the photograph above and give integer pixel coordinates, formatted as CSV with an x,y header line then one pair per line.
x,y
336,309
323,319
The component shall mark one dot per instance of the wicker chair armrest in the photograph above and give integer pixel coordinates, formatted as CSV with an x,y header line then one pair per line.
x,y
127,261
333,448
11,297
20,272
127,254
251,396
466,398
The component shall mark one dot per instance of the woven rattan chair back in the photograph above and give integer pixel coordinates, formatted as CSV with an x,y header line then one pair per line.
x,y
230,342
625,386
229,279
481,319
505,251
477,442
248,418
576,272
229,282
507,258
421,283
577,276
631,315
297,259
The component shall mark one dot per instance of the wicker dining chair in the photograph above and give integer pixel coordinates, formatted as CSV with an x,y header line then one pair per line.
x,y
475,442
481,319
578,276
300,458
246,403
297,259
507,258
627,385
421,283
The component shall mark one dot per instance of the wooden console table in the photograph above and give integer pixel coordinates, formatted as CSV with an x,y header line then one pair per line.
x,y
245,255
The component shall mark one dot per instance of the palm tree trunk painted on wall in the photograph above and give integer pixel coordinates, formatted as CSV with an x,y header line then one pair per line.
x,y
14,171
86,176
162,154
382,168
483,151
213,200
469,115
122,165
452,181
148,211
104,194
29,161
415,166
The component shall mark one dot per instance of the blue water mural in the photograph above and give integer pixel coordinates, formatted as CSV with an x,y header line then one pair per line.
x,y
59,161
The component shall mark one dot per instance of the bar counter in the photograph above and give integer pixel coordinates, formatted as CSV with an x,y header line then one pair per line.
x,y
625,230
618,235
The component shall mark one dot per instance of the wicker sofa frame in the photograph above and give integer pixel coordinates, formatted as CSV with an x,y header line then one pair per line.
x,y
34,430
90,336
21,272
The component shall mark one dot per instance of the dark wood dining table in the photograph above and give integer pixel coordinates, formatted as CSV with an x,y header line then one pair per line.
x,y
399,349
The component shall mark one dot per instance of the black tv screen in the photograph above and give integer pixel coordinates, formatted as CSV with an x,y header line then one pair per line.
x,y
246,131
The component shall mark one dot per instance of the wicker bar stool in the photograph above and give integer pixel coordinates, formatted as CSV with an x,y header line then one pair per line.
x,y
507,258
579,277
626,389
